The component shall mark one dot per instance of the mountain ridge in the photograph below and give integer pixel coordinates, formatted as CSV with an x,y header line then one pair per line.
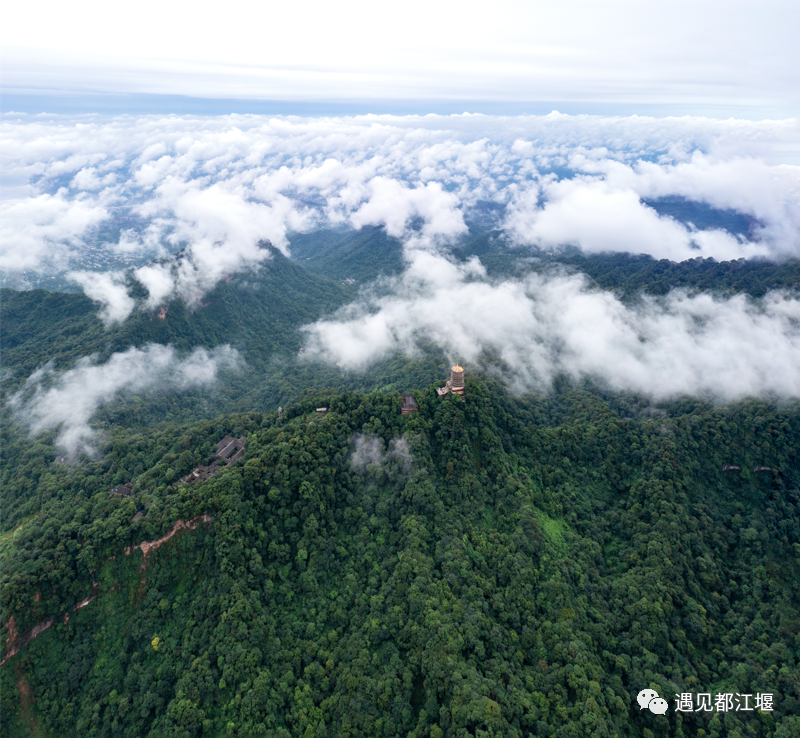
x,y
501,565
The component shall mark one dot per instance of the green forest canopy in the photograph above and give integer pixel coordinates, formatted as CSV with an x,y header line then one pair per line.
x,y
501,566
504,566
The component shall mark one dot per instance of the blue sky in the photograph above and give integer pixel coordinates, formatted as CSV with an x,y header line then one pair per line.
x,y
736,58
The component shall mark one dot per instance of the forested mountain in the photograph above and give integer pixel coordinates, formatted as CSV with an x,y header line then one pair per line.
x,y
702,215
361,255
259,314
504,566
632,275
499,566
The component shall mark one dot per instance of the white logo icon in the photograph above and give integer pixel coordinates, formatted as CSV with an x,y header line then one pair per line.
x,y
649,698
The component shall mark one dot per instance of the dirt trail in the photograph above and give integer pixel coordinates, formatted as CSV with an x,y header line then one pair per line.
x,y
14,643
147,546
25,697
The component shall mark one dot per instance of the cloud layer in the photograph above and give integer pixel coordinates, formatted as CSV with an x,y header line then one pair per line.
x,y
520,51
601,208
69,400
543,326
215,186
42,230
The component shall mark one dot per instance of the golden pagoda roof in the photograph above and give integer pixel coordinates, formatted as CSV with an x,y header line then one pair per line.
x,y
456,368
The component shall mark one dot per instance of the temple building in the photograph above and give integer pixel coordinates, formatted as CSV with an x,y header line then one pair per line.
x,y
229,451
457,380
409,405
455,384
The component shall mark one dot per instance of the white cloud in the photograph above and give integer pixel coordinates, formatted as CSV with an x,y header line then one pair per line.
x,y
43,229
600,209
770,194
393,204
147,242
369,454
223,229
110,290
596,218
68,400
542,326
159,282
218,185
88,179
368,450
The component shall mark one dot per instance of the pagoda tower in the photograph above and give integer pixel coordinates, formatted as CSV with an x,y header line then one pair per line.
x,y
457,380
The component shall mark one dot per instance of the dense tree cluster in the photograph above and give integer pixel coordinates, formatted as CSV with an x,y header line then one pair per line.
x,y
631,275
515,566
501,566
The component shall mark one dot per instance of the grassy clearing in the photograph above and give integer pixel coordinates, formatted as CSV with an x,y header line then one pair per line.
x,y
554,531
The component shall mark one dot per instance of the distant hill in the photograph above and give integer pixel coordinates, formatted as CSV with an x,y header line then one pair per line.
x,y
703,216
258,313
633,274
360,255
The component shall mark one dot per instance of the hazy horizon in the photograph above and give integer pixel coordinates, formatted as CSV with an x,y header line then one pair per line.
x,y
690,58
126,141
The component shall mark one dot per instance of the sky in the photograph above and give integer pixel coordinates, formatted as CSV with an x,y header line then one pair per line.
x,y
713,58
131,134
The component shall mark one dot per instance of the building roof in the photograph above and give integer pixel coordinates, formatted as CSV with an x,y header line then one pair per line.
x,y
228,446
456,368
224,442
123,490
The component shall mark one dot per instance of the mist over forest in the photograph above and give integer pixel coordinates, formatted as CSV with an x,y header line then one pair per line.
x,y
242,493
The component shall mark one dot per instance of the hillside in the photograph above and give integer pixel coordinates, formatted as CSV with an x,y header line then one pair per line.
x,y
259,314
511,565
345,254
503,566
632,275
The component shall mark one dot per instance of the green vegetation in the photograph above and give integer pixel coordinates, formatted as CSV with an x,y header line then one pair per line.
x,y
630,275
260,314
362,255
508,566
534,588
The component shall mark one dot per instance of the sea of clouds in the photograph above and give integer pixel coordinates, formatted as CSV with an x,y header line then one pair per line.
x,y
217,185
